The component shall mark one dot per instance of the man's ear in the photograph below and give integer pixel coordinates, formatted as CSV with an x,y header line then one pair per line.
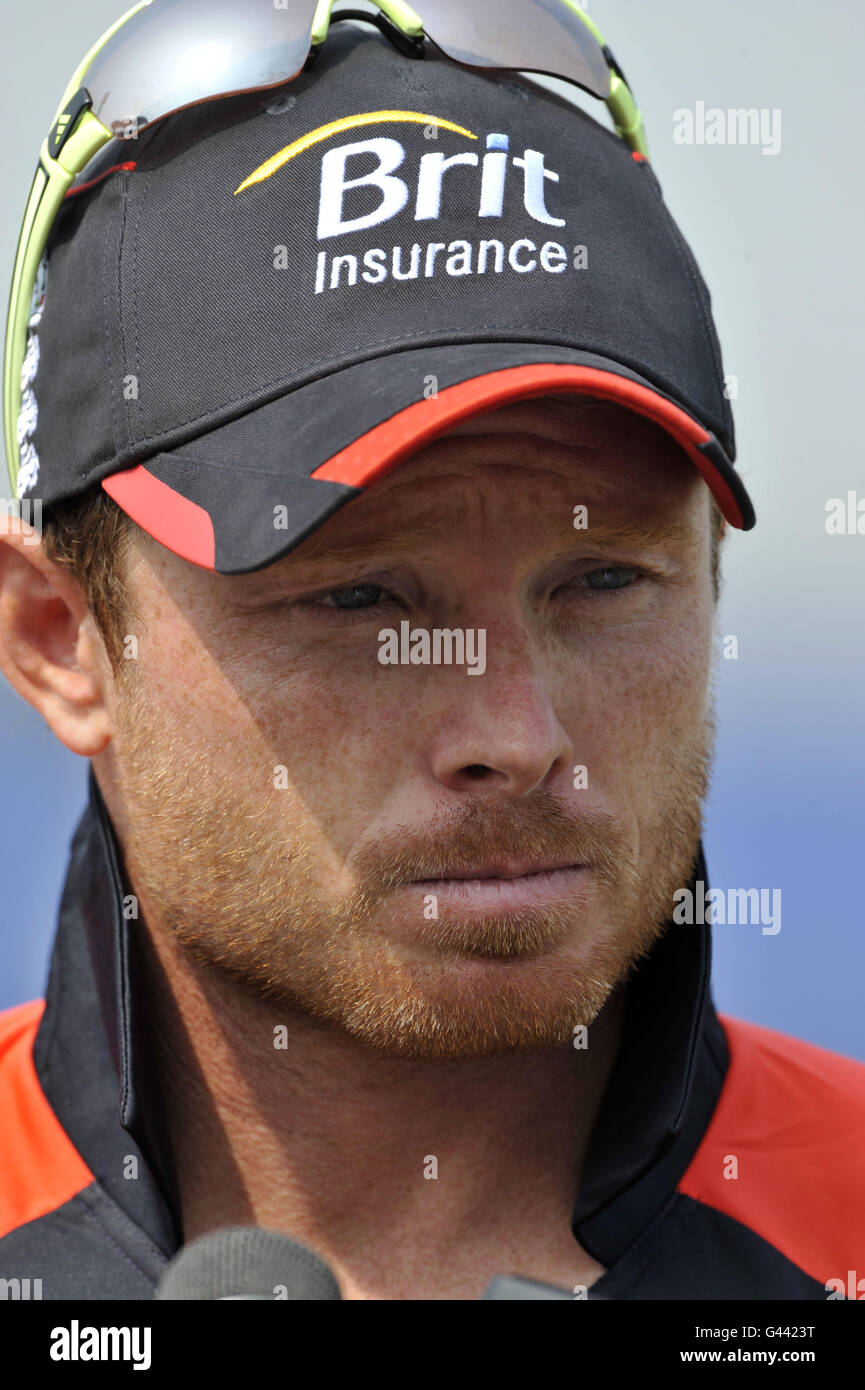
x,y
51,650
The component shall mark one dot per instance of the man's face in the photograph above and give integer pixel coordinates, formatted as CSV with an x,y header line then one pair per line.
x,y
355,839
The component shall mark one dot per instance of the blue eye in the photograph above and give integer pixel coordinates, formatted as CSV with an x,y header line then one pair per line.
x,y
355,595
611,578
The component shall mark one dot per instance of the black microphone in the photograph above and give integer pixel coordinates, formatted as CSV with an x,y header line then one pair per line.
x,y
249,1263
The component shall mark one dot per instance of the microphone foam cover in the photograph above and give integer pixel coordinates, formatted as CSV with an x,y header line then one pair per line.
x,y
246,1261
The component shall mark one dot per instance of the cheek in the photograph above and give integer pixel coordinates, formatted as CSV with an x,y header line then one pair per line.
x,y
339,722
635,700
350,732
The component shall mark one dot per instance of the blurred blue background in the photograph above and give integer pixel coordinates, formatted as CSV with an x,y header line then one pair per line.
x,y
778,238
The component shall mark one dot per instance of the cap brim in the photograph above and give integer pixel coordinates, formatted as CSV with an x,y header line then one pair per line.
x,y
241,496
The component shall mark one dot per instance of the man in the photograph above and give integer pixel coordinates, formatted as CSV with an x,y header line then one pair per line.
x,y
392,655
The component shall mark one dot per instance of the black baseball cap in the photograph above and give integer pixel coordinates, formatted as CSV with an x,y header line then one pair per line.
x,y
266,302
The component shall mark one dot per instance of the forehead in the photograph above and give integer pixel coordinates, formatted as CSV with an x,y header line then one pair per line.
x,y
510,478
538,458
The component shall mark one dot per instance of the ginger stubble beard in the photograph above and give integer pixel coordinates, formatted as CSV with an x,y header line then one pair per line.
x,y
240,876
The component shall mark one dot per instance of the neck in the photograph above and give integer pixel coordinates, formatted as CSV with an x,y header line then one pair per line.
x,y
280,1122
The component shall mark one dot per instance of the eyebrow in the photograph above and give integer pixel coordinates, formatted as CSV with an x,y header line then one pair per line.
x,y
636,532
321,552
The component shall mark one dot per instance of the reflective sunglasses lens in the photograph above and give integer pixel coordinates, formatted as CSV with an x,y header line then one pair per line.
x,y
540,36
175,52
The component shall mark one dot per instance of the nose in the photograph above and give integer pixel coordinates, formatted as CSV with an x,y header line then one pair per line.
x,y
500,733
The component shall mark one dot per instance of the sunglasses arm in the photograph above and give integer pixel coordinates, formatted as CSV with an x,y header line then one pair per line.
x,y
50,185
620,102
626,115
84,136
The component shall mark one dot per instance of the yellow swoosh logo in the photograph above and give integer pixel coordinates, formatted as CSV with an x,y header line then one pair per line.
x,y
276,161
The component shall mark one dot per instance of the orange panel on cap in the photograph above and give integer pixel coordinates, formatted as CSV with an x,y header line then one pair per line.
x,y
166,515
385,445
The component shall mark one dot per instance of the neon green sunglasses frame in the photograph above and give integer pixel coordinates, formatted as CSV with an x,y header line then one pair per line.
x,y
76,135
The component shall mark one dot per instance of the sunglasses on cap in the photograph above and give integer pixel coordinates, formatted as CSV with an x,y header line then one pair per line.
x,y
165,55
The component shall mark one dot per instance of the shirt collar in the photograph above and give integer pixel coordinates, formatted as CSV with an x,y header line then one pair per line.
x,y
663,1088
94,1065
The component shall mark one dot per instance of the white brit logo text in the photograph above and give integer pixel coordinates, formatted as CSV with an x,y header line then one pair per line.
x,y
395,191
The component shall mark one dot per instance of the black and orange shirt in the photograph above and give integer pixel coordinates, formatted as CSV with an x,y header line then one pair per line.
x,y
726,1161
